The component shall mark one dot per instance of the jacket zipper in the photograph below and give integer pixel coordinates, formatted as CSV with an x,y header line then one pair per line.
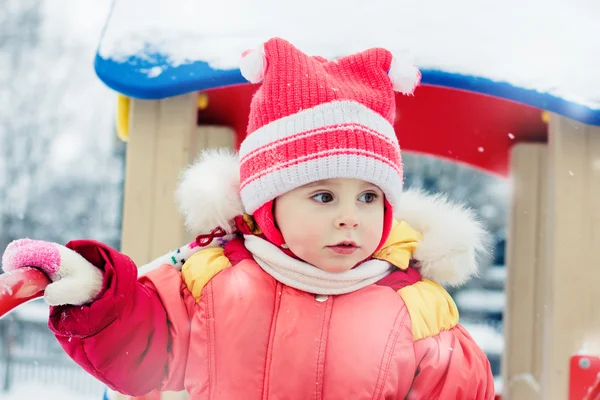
x,y
269,357
323,348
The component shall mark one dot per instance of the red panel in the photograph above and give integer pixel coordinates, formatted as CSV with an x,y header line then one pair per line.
x,y
584,378
459,125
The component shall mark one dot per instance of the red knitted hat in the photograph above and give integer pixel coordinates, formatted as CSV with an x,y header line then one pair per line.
x,y
314,119
310,120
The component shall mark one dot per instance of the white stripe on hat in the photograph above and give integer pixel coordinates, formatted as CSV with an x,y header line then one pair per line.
x,y
365,167
323,115
277,165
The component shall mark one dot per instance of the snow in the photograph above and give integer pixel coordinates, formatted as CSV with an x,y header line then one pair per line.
x,y
547,45
527,379
478,300
496,274
79,29
56,124
34,311
82,23
498,384
486,336
50,392
53,149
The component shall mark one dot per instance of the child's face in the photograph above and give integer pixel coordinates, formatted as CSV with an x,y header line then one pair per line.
x,y
332,224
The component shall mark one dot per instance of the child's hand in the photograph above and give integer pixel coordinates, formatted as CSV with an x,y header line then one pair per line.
x,y
75,280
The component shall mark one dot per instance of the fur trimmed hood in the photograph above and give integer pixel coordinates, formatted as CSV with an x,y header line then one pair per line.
x,y
453,238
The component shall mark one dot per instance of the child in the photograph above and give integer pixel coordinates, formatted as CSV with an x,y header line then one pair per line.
x,y
308,287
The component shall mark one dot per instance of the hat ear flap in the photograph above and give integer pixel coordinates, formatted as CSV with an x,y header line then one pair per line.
x,y
208,194
405,77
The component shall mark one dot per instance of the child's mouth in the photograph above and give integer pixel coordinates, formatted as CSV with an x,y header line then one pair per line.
x,y
344,248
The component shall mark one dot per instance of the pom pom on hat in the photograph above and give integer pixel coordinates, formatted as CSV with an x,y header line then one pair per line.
x,y
208,194
253,65
405,77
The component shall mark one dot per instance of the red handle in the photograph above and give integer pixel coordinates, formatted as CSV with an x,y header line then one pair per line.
x,y
20,286
594,390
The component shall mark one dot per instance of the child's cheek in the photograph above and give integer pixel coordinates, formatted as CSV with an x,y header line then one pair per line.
x,y
374,234
306,239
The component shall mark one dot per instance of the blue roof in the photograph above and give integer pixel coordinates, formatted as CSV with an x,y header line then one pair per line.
x,y
152,49
131,78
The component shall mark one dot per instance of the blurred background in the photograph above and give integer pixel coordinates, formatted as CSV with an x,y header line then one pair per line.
x,y
61,178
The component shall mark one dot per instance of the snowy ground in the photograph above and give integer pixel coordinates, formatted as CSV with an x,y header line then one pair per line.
x,y
46,393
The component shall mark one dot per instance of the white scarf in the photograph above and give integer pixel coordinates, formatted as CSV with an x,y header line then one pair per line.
x,y
308,278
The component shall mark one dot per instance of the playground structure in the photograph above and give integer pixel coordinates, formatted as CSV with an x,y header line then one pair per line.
x,y
547,143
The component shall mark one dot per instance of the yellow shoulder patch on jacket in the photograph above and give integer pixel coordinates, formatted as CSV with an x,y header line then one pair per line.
x,y
399,246
431,308
201,268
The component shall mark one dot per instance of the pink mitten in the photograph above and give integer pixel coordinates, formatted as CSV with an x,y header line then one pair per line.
x,y
74,279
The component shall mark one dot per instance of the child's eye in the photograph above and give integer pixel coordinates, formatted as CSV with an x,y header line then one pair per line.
x,y
323,197
368,197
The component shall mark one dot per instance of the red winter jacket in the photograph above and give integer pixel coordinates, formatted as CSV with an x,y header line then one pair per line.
x,y
249,336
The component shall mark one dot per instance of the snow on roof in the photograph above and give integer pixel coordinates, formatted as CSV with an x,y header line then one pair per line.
x,y
547,46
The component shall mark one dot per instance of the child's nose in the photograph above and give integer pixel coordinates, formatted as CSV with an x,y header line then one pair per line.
x,y
347,219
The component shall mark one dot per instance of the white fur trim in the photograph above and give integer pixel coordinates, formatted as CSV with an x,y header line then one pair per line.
x,y
453,238
405,77
208,194
77,281
253,65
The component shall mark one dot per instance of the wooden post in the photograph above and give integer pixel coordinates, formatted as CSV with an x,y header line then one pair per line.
x,y
525,254
163,139
158,147
572,318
